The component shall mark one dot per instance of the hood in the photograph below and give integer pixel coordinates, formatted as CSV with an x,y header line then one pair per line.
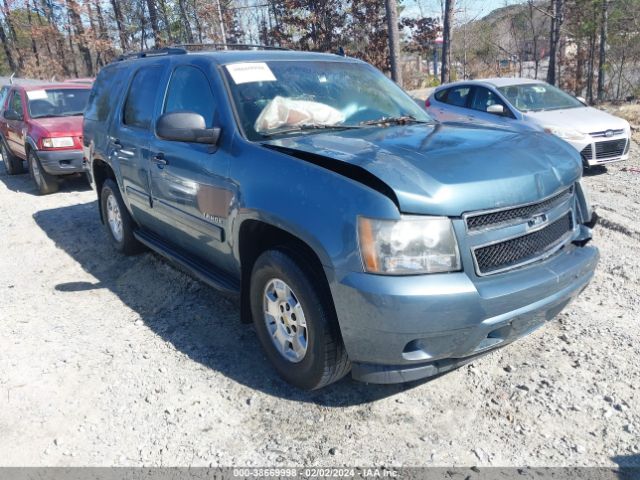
x,y
585,120
447,169
60,126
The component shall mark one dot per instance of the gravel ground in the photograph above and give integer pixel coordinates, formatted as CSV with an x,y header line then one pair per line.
x,y
107,360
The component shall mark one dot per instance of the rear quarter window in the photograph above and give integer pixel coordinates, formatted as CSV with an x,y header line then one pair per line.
x,y
104,94
441,96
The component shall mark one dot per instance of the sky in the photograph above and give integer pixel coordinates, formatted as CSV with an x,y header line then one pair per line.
x,y
471,9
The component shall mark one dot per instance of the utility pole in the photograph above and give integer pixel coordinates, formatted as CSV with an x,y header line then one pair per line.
x,y
556,25
223,34
603,49
446,41
394,40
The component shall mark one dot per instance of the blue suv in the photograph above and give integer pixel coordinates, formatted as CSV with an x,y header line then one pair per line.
x,y
359,234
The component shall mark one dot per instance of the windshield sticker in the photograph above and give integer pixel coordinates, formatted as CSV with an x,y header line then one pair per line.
x,y
37,95
250,72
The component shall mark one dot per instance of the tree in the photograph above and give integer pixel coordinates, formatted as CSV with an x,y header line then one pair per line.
x,y
557,8
394,40
603,49
445,74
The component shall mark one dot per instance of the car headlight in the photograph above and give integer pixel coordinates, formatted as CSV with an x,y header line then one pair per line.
x,y
57,142
411,245
565,133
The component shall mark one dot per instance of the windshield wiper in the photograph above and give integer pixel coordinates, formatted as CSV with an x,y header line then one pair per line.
x,y
309,126
401,120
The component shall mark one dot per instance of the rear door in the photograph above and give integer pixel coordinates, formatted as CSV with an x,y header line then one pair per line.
x,y
129,142
189,186
454,104
16,130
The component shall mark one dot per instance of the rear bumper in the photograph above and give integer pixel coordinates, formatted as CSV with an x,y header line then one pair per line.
x,y
398,329
61,162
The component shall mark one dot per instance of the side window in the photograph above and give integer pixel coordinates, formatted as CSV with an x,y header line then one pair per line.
x,y
189,91
441,96
104,94
140,102
3,96
16,103
458,96
484,98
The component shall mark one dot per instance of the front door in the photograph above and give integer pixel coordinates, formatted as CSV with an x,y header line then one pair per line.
x,y
16,128
189,181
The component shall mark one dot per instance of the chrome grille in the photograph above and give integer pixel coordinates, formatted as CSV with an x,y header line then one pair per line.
x,y
604,133
612,148
524,249
499,218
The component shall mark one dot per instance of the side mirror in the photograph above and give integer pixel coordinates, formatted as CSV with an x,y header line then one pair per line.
x,y
496,109
12,115
582,100
186,127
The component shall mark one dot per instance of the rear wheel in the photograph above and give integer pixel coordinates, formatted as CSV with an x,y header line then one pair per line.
x,y
12,164
45,182
296,322
117,219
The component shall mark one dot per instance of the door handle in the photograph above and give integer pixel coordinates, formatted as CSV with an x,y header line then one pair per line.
x,y
117,143
159,159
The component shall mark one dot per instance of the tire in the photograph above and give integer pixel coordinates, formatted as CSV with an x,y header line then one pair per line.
x,y
45,183
12,164
114,213
323,360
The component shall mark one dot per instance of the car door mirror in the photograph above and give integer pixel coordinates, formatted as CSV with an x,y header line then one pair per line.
x,y
186,127
496,109
12,115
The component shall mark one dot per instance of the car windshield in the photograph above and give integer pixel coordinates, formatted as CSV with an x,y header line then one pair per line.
x,y
295,97
536,97
57,102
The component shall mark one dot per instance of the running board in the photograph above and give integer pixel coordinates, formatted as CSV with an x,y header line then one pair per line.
x,y
207,274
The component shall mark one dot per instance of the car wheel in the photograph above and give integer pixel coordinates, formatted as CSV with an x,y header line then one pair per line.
x,y
295,321
45,182
12,164
117,219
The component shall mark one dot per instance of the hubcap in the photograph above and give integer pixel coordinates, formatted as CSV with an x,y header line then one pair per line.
x,y
114,218
285,321
36,170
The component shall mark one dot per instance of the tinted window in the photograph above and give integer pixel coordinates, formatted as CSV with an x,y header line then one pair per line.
x,y
484,98
16,103
139,106
458,96
189,91
104,94
441,96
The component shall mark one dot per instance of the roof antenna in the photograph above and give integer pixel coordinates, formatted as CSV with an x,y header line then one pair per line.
x,y
341,51
11,78
53,79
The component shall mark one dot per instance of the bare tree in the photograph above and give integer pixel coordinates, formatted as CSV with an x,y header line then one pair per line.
x,y
394,40
603,49
445,74
557,9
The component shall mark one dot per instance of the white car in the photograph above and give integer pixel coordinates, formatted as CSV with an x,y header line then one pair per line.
x,y
531,104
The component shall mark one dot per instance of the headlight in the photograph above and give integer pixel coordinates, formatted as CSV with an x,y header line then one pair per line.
x,y
57,142
565,133
411,245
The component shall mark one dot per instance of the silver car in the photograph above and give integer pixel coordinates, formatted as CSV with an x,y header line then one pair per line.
x,y
532,104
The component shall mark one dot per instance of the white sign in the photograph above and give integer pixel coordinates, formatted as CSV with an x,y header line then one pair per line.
x,y
37,95
250,72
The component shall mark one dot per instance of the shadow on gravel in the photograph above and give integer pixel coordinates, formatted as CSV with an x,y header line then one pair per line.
x,y
629,466
594,171
197,320
23,183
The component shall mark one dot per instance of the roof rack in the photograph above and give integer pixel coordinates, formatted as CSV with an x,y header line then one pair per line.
x,y
153,53
226,46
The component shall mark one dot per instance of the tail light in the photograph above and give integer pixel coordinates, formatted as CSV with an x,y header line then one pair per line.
x,y
427,103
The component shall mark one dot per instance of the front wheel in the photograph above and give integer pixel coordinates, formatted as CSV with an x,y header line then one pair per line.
x,y
44,182
116,217
296,322
12,164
